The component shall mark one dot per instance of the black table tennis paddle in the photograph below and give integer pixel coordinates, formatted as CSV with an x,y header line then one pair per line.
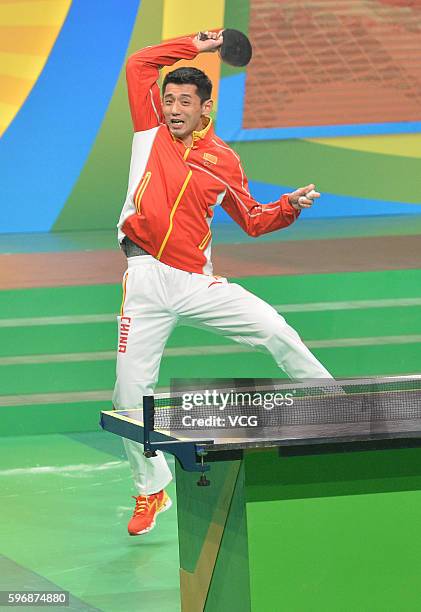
x,y
236,49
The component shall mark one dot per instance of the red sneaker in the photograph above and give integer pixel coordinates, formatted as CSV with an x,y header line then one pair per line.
x,y
147,507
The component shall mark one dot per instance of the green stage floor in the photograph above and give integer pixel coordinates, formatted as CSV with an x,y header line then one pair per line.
x,y
65,501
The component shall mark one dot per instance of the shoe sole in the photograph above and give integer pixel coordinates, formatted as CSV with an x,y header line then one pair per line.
x,y
164,508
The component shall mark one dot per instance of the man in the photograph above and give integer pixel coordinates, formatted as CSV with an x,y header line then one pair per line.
x,y
180,170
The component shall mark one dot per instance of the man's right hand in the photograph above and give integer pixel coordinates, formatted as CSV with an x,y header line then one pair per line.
x,y
212,43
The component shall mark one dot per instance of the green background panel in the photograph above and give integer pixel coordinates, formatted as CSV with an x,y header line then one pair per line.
x,y
343,171
344,528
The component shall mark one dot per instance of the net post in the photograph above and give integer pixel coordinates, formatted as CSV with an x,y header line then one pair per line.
x,y
148,425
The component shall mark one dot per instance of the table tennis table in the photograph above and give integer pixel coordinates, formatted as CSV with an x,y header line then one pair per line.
x,y
317,508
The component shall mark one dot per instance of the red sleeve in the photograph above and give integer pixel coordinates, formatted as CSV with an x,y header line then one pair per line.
x,y
142,71
255,218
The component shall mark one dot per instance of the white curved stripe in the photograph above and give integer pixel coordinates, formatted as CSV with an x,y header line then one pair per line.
x,y
58,320
72,397
349,305
57,358
309,307
214,349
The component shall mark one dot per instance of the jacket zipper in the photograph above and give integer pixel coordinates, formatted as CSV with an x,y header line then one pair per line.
x,y
174,208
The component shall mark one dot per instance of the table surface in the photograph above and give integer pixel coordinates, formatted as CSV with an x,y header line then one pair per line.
x,y
217,439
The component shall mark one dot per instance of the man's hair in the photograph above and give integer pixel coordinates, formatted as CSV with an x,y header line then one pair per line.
x,y
190,76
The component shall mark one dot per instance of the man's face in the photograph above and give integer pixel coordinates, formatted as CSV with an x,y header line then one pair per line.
x,y
183,109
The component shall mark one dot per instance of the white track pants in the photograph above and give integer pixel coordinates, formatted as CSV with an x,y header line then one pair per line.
x,y
156,298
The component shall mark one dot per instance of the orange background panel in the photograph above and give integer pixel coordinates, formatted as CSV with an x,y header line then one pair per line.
x,y
210,63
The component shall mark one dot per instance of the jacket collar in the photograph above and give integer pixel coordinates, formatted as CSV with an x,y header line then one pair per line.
x,y
201,134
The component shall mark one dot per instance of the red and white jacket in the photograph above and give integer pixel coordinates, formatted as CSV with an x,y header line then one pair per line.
x,y
173,189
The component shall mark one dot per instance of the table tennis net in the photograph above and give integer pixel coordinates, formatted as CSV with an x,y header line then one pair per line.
x,y
315,403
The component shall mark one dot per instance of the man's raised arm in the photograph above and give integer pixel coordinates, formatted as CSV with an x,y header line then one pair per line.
x,y
142,71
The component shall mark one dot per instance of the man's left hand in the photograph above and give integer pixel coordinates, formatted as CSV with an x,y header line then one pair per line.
x,y
212,41
303,197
